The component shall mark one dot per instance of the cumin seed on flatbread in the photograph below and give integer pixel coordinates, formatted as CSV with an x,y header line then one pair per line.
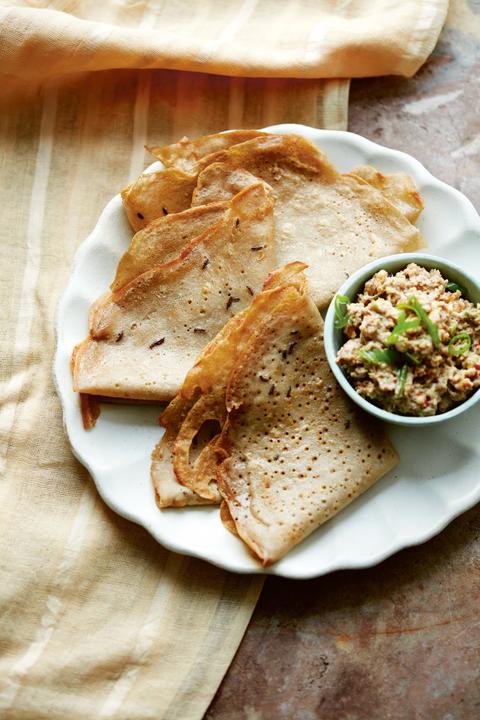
x,y
334,223
145,337
296,449
293,450
202,400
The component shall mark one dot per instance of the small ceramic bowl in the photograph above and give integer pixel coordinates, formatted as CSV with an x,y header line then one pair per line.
x,y
334,338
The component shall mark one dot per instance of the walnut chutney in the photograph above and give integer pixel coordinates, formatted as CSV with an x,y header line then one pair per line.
x,y
413,343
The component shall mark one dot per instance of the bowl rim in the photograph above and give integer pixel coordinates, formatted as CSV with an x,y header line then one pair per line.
x,y
361,276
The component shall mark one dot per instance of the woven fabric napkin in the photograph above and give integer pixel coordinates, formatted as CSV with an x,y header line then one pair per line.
x,y
98,620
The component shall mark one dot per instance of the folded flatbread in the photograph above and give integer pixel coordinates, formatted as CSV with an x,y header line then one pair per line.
x,y
157,194
165,238
145,336
160,193
170,190
335,223
181,477
185,154
296,450
293,450
399,188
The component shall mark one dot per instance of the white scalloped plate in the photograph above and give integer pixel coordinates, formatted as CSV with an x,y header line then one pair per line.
x,y
439,473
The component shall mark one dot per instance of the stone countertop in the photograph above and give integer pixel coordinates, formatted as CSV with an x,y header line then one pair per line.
x,y
400,640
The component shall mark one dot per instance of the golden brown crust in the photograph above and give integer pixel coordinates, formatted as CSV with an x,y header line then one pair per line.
x,y
90,409
156,195
164,239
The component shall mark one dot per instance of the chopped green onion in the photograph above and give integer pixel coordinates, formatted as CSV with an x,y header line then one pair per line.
x,y
387,357
379,357
401,327
341,313
420,312
455,287
460,344
412,358
402,376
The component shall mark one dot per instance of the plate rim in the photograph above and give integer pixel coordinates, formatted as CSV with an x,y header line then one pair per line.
x,y
399,542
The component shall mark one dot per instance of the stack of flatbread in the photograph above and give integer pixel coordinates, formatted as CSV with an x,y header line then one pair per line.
x,y
261,426
256,421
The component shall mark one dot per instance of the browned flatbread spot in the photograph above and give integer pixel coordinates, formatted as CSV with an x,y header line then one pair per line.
x,y
164,239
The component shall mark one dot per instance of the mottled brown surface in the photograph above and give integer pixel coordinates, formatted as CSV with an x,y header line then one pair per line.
x,y
399,641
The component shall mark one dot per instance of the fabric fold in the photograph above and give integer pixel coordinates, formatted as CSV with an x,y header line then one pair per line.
x,y
333,39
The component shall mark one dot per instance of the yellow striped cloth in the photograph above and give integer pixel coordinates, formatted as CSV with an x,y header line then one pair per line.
x,y
99,621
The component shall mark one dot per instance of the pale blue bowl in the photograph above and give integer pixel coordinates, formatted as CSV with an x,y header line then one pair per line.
x,y
334,338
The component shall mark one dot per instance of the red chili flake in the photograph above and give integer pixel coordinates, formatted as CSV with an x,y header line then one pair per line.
x,y
263,378
256,248
237,222
165,211
205,263
156,343
232,300
289,391
250,291
119,336
199,330
139,215
477,366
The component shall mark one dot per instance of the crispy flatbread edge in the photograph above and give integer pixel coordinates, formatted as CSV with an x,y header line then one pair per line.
x,y
169,155
381,182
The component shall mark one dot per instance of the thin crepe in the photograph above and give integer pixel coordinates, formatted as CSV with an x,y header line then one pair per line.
x,y
167,236
157,194
165,191
145,337
180,479
335,223
185,154
399,188
164,239
296,450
